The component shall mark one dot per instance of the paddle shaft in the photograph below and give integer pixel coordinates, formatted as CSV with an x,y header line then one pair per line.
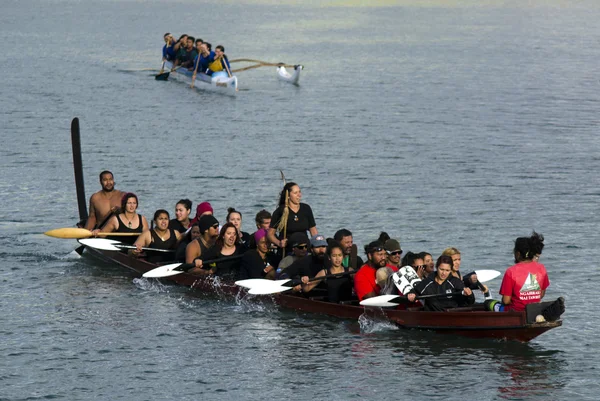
x,y
405,298
188,266
296,282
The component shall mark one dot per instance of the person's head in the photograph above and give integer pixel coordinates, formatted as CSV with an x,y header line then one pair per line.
x,y
199,43
219,51
234,217
195,231
527,248
183,39
455,255
183,208
263,219
168,38
428,262
209,226
376,254
107,181
407,259
299,243
290,193
318,246
443,267
344,237
418,265
207,47
203,209
228,236
335,251
262,242
189,43
161,219
393,251
129,202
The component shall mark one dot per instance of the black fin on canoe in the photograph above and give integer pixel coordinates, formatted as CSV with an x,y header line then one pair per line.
x,y
162,77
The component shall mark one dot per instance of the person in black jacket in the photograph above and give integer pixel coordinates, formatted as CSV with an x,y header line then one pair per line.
x,y
442,282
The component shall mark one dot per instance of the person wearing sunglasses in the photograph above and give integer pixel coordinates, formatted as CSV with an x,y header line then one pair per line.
x,y
299,243
393,251
311,265
365,282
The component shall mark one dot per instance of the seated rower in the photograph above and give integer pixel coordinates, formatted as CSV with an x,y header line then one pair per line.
x,y
187,55
393,252
235,217
338,289
168,50
192,235
181,222
195,251
310,265
262,220
344,237
299,243
226,244
440,283
202,209
128,221
365,284
428,262
205,57
219,64
160,237
257,263
526,281
179,48
470,280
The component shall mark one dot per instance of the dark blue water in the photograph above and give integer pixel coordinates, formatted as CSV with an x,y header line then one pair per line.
x,y
454,123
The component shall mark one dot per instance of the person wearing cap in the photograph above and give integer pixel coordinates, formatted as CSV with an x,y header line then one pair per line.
x,y
209,231
257,263
202,209
344,238
291,216
365,284
299,243
309,266
339,287
393,251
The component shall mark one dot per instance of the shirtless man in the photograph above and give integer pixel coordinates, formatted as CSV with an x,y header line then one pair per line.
x,y
104,202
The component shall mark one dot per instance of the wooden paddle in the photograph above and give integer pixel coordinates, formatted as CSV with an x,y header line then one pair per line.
x,y
178,268
195,71
394,300
266,287
261,62
112,245
80,233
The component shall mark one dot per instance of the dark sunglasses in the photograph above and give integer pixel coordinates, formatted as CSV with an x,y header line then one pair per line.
x,y
376,249
395,253
301,246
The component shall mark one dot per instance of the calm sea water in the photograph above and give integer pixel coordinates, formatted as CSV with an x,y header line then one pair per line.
x,y
444,123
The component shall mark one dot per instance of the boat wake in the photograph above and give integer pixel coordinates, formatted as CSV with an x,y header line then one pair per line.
x,y
375,324
150,285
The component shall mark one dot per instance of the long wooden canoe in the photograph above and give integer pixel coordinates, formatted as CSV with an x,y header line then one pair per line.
x,y
470,321
218,83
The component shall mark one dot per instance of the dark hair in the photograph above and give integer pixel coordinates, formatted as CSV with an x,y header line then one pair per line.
x,y
220,242
421,255
262,215
383,236
331,245
126,197
373,245
192,38
408,259
105,172
444,259
199,40
232,210
182,36
286,190
159,212
166,34
340,234
527,247
186,203
220,47
208,46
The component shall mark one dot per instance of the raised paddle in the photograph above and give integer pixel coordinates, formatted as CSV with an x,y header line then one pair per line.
x,y
271,287
394,300
80,233
112,245
177,268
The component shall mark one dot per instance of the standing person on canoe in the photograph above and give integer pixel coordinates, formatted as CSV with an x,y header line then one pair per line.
x,y
365,283
290,217
345,239
220,63
128,221
160,237
440,283
195,251
104,202
526,281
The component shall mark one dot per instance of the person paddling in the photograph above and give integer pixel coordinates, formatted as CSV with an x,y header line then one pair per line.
x,y
195,251
160,237
128,221
338,289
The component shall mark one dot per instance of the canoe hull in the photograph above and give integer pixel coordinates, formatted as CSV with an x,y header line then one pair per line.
x,y
293,78
224,85
471,322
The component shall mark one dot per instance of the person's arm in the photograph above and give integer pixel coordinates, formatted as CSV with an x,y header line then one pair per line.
x,y
91,221
144,240
273,238
309,286
111,226
192,254
144,224
506,299
313,231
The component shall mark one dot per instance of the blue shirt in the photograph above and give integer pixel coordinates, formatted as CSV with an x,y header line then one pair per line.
x,y
169,52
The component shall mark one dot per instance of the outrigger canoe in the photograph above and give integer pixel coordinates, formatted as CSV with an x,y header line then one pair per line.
x,y
285,76
220,83
471,321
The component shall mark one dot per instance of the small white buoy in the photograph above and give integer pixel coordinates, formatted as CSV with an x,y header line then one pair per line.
x,y
540,319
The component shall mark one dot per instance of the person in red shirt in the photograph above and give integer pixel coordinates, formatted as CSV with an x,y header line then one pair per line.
x,y
365,284
526,281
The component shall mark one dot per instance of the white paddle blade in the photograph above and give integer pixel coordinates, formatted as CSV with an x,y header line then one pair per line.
x,y
486,275
380,301
163,271
100,243
268,289
253,282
